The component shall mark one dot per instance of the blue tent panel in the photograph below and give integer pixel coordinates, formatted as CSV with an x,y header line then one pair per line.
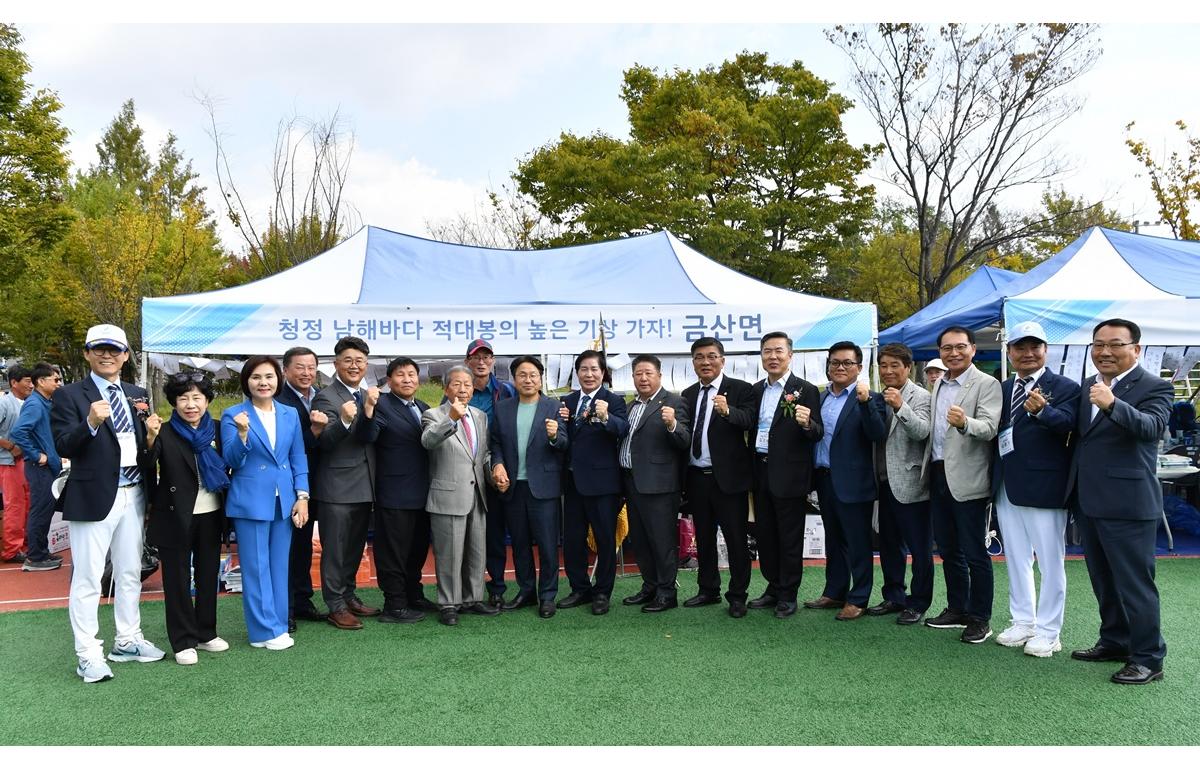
x,y
1172,266
974,303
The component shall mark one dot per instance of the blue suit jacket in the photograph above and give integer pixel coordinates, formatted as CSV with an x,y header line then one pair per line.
x,y
543,459
852,451
258,471
592,457
401,462
1035,472
1114,471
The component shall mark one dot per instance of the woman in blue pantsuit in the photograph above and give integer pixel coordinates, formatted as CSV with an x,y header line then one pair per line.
x,y
268,494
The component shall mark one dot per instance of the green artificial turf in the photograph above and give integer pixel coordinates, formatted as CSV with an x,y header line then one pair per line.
x,y
688,676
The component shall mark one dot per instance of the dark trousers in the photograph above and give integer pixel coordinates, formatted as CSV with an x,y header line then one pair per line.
x,y
401,547
960,528
779,527
1120,562
496,554
534,520
343,535
41,509
599,512
300,588
190,623
905,525
711,507
848,554
654,526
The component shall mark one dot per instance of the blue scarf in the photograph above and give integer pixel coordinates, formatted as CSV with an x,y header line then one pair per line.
x,y
213,469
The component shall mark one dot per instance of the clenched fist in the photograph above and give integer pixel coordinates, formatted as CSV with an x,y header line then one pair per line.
x,y
721,405
551,429
668,417
242,422
99,411
957,417
803,415
862,391
891,396
1101,395
1035,402
317,422
349,410
153,425
458,409
601,407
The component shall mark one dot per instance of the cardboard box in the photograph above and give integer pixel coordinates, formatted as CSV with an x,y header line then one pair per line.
x,y
814,536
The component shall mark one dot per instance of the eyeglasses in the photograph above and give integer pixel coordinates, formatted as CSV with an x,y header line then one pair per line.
x,y
948,348
183,377
843,363
1115,346
106,351
711,357
523,376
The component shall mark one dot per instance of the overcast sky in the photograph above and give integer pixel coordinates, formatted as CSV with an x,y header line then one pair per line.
x,y
441,111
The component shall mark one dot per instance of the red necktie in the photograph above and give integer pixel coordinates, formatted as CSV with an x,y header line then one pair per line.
x,y
466,427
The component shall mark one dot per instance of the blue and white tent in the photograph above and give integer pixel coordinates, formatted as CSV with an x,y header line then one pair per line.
x,y
964,305
409,295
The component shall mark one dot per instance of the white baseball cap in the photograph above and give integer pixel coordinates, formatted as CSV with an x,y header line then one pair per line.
x,y
936,363
1027,330
103,334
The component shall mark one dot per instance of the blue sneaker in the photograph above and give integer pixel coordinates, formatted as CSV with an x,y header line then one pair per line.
x,y
139,649
93,670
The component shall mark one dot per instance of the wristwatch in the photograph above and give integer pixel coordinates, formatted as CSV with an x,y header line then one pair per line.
x,y
302,495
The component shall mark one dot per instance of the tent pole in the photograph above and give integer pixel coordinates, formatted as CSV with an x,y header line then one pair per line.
x,y
1003,350
144,374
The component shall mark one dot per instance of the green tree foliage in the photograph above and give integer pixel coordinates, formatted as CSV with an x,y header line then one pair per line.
x,y
122,153
1176,183
747,162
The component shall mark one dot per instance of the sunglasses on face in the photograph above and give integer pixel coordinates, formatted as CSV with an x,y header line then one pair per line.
x,y
185,378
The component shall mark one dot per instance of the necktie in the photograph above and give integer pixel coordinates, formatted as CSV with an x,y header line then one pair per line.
x,y
465,421
358,398
584,402
701,418
121,423
415,412
635,417
1018,398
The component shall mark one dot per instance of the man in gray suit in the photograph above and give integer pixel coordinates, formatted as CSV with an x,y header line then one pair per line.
x,y
456,436
344,485
965,409
903,490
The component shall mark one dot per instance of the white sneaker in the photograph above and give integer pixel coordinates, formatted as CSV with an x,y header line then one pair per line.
x,y
187,657
276,643
216,645
1016,636
94,670
138,649
1042,647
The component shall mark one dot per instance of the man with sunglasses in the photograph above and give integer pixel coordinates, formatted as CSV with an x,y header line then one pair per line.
x,y
100,424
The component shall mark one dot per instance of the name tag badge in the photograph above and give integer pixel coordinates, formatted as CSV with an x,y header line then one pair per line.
x,y
764,437
1006,441
128,443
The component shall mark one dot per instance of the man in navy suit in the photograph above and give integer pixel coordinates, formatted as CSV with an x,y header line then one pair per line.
x,y
528,443
298,390
98,424
855,419
1029,477
1117,501
719,475
392,423
789,423
596,423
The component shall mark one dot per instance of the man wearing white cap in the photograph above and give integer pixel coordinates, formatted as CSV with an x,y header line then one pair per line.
x,y
1029,478
934,370
100,424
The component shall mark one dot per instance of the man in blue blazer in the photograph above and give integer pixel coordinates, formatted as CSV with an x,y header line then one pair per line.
x,y
855,420
98,424
596,421
392,422
1116,499
528,443
1029,478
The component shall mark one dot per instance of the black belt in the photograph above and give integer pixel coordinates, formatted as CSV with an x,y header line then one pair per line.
x,y
701,470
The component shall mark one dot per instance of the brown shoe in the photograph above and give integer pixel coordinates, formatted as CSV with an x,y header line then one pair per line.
x,y
849,612
358,608
823,602
343,619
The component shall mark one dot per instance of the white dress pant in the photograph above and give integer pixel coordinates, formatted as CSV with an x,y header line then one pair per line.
x,y
120,530
1030,532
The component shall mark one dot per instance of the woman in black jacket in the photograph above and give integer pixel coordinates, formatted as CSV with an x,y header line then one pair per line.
x,y
187,515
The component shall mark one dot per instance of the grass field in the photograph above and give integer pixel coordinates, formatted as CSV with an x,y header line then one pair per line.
x,y
689,676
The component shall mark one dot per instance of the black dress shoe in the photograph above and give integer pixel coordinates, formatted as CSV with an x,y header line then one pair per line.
x,y
701,599
884,608
1101,653
660,604
784,608
640,598
423,604
910,616
546,609
766,601
599,605
737,609
449,617
496,599
401,616
291,625
520,601
310,612
574,599
479,609
1136,674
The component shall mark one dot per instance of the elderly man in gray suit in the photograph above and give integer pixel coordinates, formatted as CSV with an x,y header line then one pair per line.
x,y
456,436
344,484
965,409
903,490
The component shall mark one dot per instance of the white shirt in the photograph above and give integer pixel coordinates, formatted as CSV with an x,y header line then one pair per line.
x,y
1113,385
268,421
948,392
766,409
705,459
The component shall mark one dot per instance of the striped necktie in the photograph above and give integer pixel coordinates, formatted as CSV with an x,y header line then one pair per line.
x,y
1018,398
121,423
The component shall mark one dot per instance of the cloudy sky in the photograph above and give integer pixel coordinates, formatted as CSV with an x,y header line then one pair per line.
x,y
442,111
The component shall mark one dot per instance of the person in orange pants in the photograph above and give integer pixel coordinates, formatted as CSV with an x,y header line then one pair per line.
x,y
13,486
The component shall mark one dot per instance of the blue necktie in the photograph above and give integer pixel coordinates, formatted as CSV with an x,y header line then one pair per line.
x,y
1018,398
121,423
584,403
414,411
